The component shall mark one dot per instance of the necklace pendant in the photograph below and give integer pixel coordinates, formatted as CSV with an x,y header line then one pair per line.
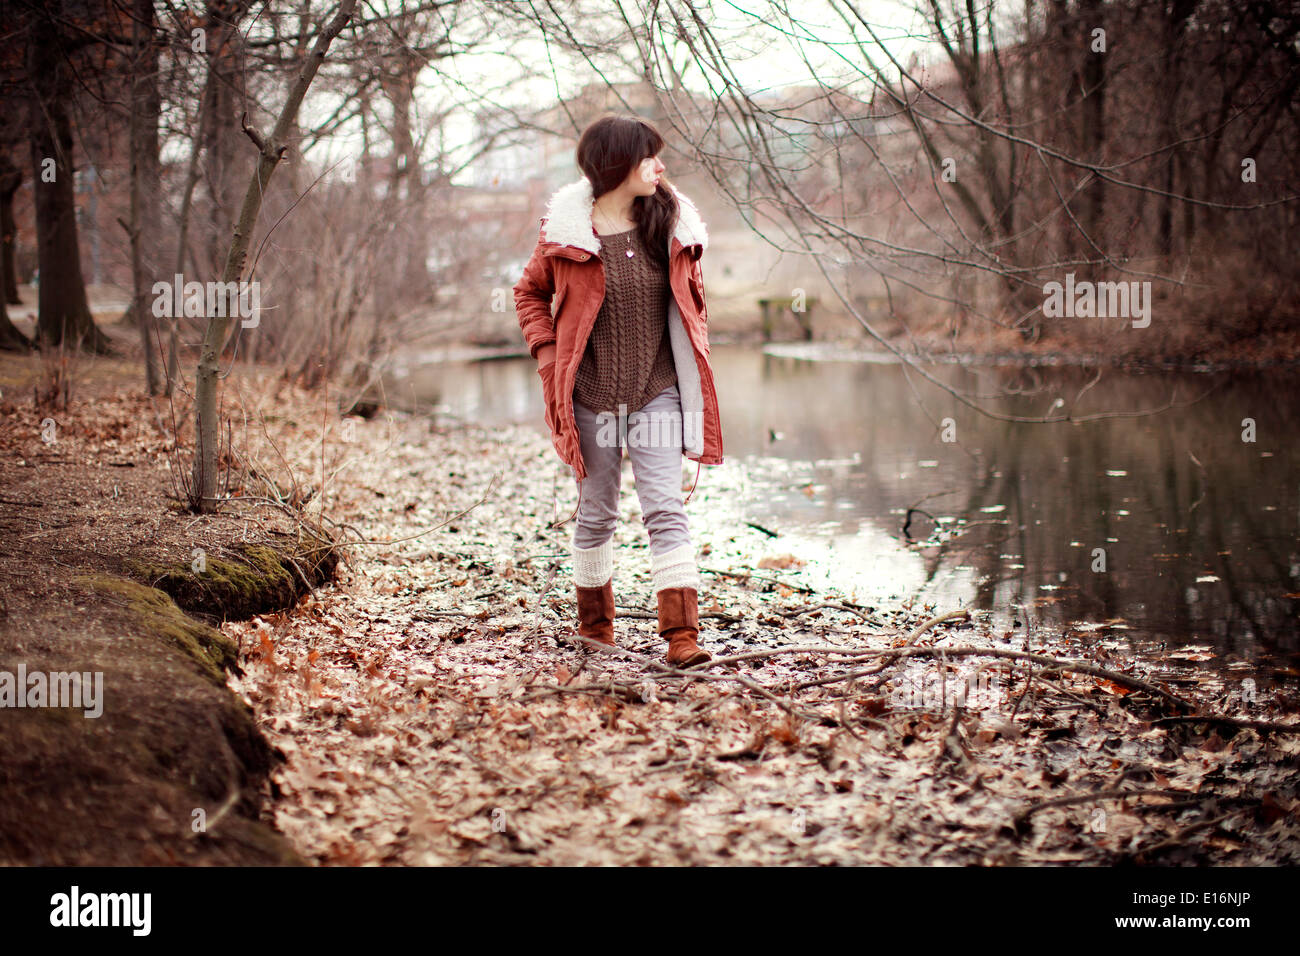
x,y
630,253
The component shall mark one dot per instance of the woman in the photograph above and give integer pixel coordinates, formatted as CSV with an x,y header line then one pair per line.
x,y
623,358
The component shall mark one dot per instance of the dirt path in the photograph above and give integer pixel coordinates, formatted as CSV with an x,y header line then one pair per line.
x,y
432,710
168,767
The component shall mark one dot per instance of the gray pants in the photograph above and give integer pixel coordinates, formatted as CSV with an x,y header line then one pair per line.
x,y
653,436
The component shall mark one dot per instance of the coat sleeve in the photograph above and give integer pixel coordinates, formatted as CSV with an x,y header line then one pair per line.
x,y
533,294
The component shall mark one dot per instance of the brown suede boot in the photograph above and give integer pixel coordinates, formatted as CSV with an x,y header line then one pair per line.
x,y
679,615
596,614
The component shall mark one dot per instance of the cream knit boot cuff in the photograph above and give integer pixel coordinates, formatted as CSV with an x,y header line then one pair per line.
x,y
592,567
674,569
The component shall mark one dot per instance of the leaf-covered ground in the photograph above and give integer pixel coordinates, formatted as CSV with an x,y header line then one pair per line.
x,y
433,708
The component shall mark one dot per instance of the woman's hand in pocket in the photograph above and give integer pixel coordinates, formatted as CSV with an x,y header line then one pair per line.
x,y
547,373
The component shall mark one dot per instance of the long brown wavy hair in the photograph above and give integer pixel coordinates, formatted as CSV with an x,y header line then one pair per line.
x,y
609,149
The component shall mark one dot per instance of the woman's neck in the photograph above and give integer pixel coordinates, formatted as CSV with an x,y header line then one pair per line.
x,y
614,208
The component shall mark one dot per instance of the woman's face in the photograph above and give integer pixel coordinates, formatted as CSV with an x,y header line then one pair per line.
x,y
644,177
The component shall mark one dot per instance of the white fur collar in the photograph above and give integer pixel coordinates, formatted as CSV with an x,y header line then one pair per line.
x,y
568,218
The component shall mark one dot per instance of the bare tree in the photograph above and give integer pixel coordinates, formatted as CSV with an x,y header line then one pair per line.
x,y
64,312
146,183
270,150
11,177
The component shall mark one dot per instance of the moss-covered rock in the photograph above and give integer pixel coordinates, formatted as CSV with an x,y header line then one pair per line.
x,y
262,578
125,786
158,616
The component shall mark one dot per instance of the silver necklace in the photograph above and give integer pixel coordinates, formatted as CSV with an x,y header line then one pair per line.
x,y
629,253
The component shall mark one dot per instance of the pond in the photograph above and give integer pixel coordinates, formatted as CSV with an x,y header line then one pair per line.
x,y
1172,514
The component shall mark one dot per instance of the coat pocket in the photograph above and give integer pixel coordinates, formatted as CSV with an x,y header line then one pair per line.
x,y
697,299
547,373
697,294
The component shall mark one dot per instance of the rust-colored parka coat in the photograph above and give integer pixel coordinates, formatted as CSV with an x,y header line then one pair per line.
x,y
560,293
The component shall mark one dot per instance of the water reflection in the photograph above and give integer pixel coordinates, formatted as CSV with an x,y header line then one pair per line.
x,y
1169,523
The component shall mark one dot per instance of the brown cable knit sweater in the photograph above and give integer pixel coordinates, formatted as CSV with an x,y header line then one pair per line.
x,y
628,358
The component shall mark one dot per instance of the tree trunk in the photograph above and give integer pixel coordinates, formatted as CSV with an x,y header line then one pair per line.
x,y
11,339
269,153
146,183
1094,117
11,177
217,31
1174,26
63,311
228,75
